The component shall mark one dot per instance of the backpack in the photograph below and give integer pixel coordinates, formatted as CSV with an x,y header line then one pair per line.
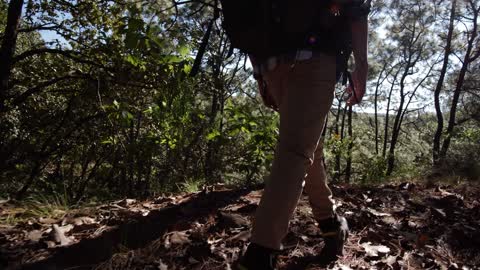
x,y
265,28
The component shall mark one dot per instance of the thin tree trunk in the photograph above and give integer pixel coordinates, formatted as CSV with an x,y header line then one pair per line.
x,y
412,57
338,156
387,118
131,149
85,180
459,86
342,129
7,50
438,133
33,174
377,88
211,162
210,166
376,116
337,165
348,170
396,125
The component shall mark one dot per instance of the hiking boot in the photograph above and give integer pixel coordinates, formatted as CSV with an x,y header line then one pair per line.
x,y
257,258
335,233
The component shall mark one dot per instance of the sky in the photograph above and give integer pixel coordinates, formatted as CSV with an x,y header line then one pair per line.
x,y
50,36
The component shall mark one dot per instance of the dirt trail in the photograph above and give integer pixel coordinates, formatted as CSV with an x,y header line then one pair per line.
x,y
393,227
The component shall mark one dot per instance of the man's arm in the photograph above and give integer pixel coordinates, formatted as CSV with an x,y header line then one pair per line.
x,y
360,46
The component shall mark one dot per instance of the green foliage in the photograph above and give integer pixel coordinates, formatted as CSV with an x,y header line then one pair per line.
x,y
190,186
109,110
52,206
470,135
374,169
253,134
464,159
38,206
337,146
3,15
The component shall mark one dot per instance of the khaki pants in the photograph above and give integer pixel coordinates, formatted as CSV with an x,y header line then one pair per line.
x,y
304,95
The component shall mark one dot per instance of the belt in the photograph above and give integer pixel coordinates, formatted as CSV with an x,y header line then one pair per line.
x,y
288,58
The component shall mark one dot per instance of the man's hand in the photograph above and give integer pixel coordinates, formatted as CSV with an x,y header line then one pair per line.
x,y
266,96
359,47
359,80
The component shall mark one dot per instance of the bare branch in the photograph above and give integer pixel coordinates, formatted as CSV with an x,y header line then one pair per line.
x,y
25,95
42,27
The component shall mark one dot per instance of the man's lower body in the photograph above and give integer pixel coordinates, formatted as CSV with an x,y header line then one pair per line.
x,y
303,91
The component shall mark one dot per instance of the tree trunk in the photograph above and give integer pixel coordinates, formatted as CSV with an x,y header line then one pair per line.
x,y
337,165
438,89
348,170
459,86
387,118
396,125
338,156
377,88
33,174
131,149
210,157
376,117
7,50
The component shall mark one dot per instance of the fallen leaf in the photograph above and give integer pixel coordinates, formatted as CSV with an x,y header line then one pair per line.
x,y
83,220
407,186
50,244
67,228
377,213
34,235
233,220
439,212
176,238
100,230
58,235
48,221
162,266
391,260
297,253
161,200
372,250
444,192
367,199
192,260
341,267
127,202
149,205
179,238
390,220
242,236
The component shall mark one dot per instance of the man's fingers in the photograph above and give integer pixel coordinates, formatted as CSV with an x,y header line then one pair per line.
x,y
352,101
349,89
354,98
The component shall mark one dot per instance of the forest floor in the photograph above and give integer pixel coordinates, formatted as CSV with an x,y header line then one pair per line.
x,y
406,226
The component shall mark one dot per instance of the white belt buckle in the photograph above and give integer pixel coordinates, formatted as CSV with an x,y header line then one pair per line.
x,y
304,55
